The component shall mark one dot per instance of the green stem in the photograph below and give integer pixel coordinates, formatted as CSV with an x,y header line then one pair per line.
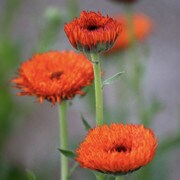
x,y
63,139
98,88
72,170
119,178
100,176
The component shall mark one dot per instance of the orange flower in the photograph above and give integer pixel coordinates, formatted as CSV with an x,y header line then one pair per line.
x,y
92,32
117,149
142,28
54,76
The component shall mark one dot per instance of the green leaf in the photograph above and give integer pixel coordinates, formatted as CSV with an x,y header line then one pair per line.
x,y
99,175
73,169
68,153
30,175
169,144
86,124
111,79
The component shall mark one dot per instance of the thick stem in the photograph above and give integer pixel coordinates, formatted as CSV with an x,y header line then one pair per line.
x,y
98,89
63,139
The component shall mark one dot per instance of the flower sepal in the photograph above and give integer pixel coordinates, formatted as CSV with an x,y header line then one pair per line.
x,y
98,48
116,174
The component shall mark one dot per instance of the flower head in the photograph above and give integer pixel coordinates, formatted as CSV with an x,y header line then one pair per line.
x,y
142,28
54,76
92,32
117,149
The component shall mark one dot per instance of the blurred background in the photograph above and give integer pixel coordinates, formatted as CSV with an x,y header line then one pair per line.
x,y
29,134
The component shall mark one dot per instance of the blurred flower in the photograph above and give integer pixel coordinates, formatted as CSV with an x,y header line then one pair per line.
x,y
54,76
125,1
142,28
117,149
92,32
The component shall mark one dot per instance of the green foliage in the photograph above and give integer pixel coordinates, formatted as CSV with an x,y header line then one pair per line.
x,y
112,79
8,16
11,172
30,175
51,26
150,110
68,153
10,53
73,8
169,144
72,170
85,123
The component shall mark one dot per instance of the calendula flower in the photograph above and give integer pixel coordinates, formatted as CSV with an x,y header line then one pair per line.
x,y
117,149
54,76
92,32
142,27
